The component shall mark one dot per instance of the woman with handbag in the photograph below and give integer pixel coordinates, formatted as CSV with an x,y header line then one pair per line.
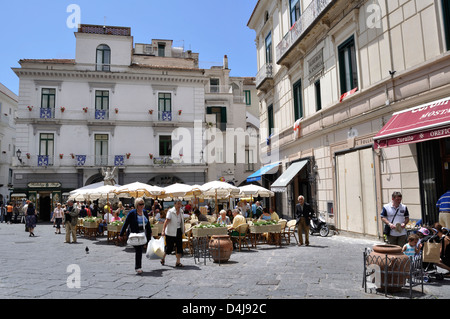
x,y
140,231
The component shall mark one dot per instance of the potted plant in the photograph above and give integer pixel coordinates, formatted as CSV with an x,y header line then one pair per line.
x,y
150,112
73,155
30,108
128,155
116,110
63,109
85,109
179,112
61,156
151,155
28,155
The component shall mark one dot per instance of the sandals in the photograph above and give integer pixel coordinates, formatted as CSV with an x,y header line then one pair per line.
x,y
162,262
179,265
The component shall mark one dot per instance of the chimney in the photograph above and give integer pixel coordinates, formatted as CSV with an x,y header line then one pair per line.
x,y
225,62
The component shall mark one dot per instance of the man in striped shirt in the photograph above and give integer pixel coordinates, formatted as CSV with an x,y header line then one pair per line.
x,y
443,204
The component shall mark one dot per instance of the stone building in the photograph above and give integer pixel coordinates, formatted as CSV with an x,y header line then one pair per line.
x,y
331,75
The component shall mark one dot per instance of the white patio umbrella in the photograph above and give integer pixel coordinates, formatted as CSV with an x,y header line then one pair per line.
x,y
178,190
138,189
102,192
254,191
218,190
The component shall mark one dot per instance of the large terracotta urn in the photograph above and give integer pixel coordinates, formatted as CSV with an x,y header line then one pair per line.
x,y
391,261
220,248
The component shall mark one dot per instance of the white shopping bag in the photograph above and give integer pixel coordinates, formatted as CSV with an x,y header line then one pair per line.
x,y
155,248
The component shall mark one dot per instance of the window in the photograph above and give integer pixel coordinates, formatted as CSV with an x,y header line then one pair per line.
x,y
101,149
162,49
269,48
347,66
318,96
165,106
270,119
249,160
295,11
248,97
214,85
46,144
48,98
165,145
102,100
446,16
103,58
221,116
298,106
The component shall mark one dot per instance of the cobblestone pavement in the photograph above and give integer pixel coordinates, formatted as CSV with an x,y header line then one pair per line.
x,y
44,267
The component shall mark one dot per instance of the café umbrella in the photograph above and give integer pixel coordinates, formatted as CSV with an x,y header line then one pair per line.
x,y
218,190
138,189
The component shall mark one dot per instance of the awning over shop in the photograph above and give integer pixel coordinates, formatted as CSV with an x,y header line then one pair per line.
x,y
281,183
418,124
267,169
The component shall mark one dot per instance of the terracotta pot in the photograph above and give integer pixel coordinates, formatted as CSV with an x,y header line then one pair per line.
x,y
391,259
220,248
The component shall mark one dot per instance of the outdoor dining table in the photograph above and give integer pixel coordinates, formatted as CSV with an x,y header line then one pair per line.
x,y
256,231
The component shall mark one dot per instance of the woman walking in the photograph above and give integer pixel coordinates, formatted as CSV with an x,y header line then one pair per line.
x,y
137,219
31,218
173,229
58,215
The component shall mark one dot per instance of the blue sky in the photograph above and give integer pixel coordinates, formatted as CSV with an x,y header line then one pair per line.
x,y
212,28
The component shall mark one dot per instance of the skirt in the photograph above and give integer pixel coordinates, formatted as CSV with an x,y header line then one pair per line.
x,y
31,221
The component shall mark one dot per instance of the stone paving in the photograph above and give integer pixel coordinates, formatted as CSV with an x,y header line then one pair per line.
x,y
44,267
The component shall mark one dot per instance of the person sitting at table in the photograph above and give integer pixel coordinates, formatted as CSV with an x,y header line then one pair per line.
x,y
116,217
273,215
162,216
200,216
265,215
238,220
223,218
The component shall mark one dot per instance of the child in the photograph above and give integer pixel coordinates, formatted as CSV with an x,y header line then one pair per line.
x,y
410,249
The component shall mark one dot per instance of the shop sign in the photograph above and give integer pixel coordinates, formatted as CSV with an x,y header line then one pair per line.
x,y
44,185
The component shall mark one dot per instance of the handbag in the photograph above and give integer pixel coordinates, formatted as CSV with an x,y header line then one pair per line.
x,y
387,228
138,239
431,252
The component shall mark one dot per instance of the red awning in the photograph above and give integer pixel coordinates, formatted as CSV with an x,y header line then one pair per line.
x,y
418,124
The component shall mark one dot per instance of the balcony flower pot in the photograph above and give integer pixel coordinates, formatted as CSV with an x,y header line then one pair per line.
x,y
151,156
179,112
116,110
28,155
63,109
61,156
150,112
128,155
85,109
30,108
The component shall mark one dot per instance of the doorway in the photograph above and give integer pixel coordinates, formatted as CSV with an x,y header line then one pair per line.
x,y
356,193
45,206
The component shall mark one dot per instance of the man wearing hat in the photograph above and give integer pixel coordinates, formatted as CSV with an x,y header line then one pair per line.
x,y
443,205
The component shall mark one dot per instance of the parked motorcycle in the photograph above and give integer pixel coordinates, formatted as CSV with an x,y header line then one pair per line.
x,y
318,225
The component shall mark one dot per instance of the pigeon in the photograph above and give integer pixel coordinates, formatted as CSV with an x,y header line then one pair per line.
x,y
87,250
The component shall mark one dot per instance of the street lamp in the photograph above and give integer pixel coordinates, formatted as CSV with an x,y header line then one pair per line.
x,y
19,156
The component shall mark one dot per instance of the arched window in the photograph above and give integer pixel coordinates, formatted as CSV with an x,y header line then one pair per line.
x,y
103,58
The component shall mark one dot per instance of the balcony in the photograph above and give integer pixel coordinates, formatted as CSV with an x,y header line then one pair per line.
x,y
95,161
264,78
306,21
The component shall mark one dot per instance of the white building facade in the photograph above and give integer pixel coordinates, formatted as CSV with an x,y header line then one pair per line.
x,y
139,107
8,107
331,75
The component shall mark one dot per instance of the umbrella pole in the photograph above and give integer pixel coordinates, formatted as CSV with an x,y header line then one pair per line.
x,y
216,203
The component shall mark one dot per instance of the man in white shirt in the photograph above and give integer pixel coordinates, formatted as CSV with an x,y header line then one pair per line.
x,y
396,215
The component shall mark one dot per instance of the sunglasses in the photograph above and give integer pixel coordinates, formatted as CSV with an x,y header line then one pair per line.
x,y
141,204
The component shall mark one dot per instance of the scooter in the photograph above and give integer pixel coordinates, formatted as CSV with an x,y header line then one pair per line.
x,y
318,225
